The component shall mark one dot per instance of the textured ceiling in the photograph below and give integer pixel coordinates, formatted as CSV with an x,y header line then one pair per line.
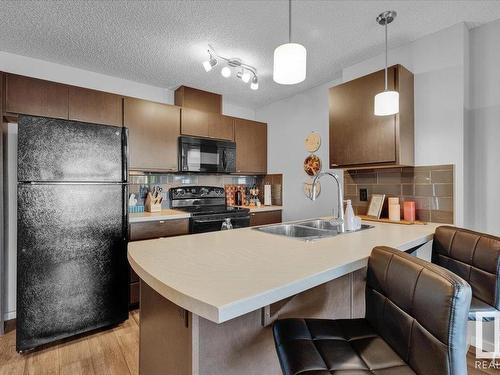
x,y
163,43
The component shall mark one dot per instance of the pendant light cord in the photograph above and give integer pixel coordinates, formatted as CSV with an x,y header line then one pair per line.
x,y
289,21
386,55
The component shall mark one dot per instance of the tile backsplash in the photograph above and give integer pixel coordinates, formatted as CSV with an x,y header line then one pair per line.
x,y
431,187
141,184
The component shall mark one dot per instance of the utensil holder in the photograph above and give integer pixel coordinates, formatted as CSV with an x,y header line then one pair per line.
x,y
152,204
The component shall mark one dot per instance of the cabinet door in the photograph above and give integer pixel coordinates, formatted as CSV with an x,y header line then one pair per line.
x,y
194,122
357,136
153,132
95,106
264,218
33,96
220,126
251,146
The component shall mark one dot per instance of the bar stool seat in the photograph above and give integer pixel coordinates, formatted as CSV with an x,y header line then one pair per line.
x,y
415,323
475,257
322,346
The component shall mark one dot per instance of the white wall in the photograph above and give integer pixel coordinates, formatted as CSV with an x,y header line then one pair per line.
x,y
289,122
439,64
78,77
483,134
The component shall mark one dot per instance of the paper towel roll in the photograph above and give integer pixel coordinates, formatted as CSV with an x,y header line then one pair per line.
x,y
267,195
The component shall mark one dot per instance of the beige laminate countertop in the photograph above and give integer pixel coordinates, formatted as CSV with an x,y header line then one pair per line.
x,y
169,214
223,275
166,214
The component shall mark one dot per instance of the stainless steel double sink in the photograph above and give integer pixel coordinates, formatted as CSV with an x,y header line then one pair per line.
x,y
308,230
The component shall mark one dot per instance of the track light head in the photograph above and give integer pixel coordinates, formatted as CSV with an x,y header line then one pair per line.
x,y
255,83
226,72
209,64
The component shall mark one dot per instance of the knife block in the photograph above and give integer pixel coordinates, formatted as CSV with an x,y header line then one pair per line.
x,y
152,204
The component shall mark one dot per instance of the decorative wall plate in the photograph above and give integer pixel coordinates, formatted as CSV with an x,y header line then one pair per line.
x,y
312,165
312,142
308,188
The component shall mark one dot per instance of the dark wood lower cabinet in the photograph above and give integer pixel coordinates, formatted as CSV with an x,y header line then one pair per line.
x,y
266,217
154,229
147,230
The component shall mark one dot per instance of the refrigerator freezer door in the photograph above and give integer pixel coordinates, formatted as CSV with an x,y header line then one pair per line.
x,y
72,263
61,150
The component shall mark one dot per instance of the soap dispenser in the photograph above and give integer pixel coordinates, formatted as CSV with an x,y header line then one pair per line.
x,y
349,219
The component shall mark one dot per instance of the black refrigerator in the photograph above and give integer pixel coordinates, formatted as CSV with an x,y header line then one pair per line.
x,y
72,270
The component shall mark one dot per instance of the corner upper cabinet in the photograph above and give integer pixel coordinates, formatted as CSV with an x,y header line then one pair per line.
x,y
31,96
95,106
251,146
153,132
358,138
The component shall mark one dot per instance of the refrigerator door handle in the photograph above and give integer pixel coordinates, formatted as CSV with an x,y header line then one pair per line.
x,y
125,154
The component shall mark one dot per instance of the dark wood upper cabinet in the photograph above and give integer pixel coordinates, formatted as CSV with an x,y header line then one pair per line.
x,y
95,106
189,97
153,132
194,122
220,126
251,146
31,96
358,138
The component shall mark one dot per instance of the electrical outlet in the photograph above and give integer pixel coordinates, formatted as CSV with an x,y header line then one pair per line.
x,y
363,195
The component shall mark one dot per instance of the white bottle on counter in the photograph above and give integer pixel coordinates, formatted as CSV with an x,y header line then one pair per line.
x,y
349,220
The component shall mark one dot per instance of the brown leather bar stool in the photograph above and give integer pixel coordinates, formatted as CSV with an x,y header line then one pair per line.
x,y
416,323
475,257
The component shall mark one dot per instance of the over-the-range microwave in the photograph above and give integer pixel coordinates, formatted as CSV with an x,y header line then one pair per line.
x,y
206,155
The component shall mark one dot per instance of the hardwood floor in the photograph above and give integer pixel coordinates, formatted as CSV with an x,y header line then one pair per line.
x,y
111,352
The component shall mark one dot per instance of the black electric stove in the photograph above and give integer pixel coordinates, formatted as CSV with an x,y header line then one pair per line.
x,y
208,209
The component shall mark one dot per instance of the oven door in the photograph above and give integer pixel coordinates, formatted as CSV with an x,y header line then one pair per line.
x,y
213,224
206,155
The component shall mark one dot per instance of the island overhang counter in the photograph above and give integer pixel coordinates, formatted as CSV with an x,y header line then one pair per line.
x,y
202,294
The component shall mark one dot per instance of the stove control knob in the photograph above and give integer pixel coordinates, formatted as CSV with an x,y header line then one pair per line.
x,y
204,191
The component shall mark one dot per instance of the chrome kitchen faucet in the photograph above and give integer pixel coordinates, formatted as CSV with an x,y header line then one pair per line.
x,y
339,218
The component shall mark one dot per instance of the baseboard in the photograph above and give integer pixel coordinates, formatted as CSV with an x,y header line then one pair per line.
x,y
9,315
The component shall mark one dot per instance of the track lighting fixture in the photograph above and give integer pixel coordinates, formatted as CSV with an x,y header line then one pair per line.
x,y
247,73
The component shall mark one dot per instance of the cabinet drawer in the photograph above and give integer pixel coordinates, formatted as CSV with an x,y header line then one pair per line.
x,y
264,218
156,229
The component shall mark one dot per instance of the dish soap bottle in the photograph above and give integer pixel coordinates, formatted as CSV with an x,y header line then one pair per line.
x,y
349,220
226,225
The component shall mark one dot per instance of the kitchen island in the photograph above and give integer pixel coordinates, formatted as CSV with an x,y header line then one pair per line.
x,y
208,300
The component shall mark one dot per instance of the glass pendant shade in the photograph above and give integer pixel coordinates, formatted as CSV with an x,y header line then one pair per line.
x,y
387,103
289,64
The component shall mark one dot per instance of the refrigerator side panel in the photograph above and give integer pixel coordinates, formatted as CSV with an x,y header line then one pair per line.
x,y
61,150
72,265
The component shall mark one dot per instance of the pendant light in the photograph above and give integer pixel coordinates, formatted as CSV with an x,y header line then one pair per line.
x,y
386,102
289,59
